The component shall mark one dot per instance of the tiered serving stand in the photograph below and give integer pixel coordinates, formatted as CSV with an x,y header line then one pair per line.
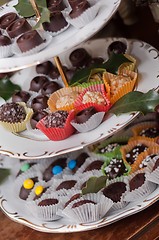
x,y
26,146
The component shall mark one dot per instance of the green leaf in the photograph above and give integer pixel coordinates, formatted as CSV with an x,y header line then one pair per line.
x,y
4,173
7,88
111,65
94,184
25,9
136,101
45,17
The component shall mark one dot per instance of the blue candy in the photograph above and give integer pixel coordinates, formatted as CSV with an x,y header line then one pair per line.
x,y
72,164
57,169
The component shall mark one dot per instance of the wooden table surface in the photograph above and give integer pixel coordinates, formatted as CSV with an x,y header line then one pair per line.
x,y
143,225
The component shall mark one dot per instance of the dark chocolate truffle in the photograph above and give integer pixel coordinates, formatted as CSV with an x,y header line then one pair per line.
x,y
4,40
29,40
37,83
57,22
18,27
12,113
39,103
137,181
21,96
54,72
56,119
79,57
68,184
36,117
49,88
48,202
44,68
84,115
7,19
95,165
114,191
117,47
151,132
79,9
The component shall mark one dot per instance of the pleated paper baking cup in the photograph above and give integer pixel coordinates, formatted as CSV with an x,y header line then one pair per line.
x,y
144,158
152,171
6,51
64,98
128,65
19,126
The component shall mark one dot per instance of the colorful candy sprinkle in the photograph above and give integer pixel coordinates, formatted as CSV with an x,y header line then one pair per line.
x,y
25,167
57,169
38,190
72,164
28,183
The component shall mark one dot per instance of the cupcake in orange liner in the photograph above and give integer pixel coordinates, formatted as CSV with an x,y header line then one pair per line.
x,y
119,84
131,151
56,126
15,116
64,98
146,129
93,96
144,158
128,65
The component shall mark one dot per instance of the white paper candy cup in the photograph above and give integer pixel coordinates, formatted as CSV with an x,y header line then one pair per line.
x,y
93,122
6,51
152,175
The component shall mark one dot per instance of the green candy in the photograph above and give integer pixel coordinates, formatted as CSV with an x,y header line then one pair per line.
x,y
25,167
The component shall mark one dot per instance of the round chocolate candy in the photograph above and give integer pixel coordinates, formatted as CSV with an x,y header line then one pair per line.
x,y
7,19
50,87
44,68
4,40
117,47
79,57
18,27
36,117
84,115
21,96
37,83
39,103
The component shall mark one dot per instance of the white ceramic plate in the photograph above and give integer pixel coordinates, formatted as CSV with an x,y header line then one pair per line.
x,y
24,145
62,42
14,209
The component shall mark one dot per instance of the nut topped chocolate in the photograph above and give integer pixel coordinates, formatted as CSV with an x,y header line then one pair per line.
x,y
12,113
56,119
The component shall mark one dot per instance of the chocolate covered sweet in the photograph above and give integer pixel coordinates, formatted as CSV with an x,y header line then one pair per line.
x,y
44,68
21,96
49,88
56,119
39,103
151,132
12,113
27,187
84,115
29,40
79,9
117,47
7,19
114,191
74,197
49,173
36,117
24,167
75,164
156,165
48,202
79,57
54,72
115,168
54,5
39,191
68,184
95,165
18,27
73,3
82,202
4,40
137,181
135,151
148,159
57,22
37,83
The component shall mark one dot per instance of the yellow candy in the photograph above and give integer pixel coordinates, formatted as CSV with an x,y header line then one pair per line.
x,y
39,189
28,183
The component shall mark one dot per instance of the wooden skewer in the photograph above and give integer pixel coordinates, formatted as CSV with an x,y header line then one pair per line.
x,y
35,7
59,66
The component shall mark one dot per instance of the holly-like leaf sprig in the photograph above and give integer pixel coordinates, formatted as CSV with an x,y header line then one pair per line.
x,y
4,173
25,9
7,88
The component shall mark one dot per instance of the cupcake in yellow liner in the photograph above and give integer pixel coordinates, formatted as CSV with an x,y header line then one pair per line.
x,y
119,84
128,65
139,186
145,158
146,129
64,98
93,96
131,151
88,208
14,116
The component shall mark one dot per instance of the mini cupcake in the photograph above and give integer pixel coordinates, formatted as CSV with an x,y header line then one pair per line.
x,y
137,145
64,98
82,13
139,186
14,116
95,96
120,84
87,119
56,125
